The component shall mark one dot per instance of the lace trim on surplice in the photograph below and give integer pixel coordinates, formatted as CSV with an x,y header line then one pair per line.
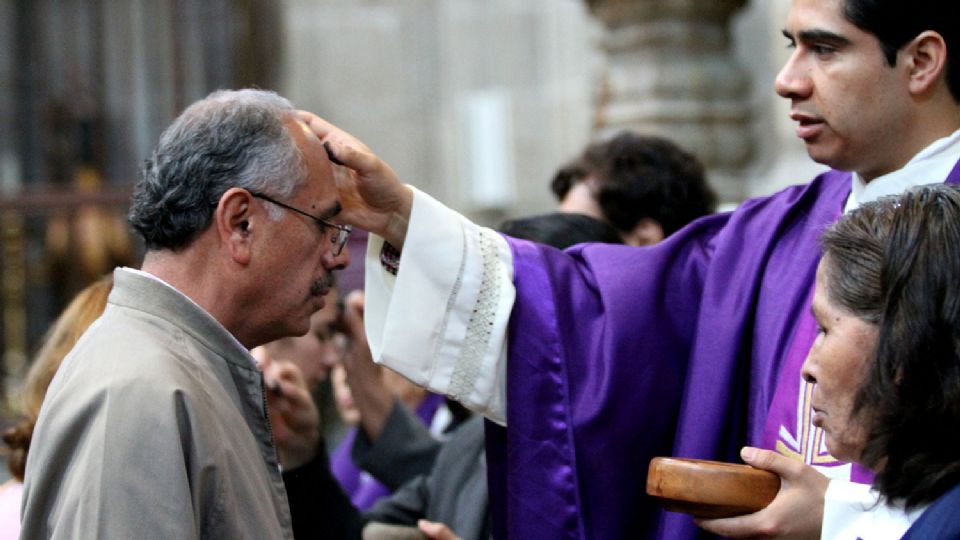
x,y
467,369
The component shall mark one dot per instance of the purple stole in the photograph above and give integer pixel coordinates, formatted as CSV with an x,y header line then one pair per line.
x,y
362,488
620,354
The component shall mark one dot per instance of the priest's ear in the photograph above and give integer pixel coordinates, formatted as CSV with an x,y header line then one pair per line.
x,y
926,61
233,220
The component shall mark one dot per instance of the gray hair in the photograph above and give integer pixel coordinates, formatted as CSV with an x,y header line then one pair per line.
x,y
231,138
893,263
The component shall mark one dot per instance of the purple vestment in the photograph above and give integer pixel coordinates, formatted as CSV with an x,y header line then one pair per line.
x,y
620,354
362,488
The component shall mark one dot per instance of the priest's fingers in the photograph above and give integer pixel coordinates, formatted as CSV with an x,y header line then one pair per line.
x,y
372,196
329,132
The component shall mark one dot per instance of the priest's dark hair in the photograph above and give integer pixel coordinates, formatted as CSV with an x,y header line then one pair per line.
x,y
896,263
896,22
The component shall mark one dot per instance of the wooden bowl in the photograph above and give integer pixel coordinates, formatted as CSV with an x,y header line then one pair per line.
x,y
710,489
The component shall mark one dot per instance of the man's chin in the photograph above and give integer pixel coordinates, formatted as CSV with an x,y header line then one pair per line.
x,y
826,156
301,328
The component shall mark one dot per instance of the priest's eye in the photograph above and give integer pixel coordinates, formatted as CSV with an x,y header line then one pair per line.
x,y
822,50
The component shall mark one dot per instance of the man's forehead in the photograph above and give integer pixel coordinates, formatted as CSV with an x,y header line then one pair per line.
x,y
300,131
816,14
304,128
321,182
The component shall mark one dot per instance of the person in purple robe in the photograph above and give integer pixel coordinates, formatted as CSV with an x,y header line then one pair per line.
x,y
590,361
885,365
362,487
377,455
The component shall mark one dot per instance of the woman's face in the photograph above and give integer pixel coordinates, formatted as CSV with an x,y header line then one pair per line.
x,y
837,364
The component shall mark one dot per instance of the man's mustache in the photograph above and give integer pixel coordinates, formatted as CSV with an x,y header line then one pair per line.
x,y
322,286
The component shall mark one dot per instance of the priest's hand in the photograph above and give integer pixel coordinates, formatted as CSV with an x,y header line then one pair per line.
x,y
294,418
372,196
795,513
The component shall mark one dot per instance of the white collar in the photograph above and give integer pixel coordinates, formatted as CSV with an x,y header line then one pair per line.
x,y
930,166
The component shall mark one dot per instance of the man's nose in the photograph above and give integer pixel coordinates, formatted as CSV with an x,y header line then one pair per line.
x,y
337,262
793,81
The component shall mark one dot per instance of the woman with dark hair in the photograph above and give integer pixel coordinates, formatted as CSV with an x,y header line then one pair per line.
x,y
886,360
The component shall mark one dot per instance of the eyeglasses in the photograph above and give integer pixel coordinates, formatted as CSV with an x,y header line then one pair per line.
x,y
338,240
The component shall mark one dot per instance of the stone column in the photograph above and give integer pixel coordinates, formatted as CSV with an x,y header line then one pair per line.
x,y
671,72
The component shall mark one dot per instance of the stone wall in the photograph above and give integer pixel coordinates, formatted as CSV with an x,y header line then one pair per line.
x,y
479,102
475,102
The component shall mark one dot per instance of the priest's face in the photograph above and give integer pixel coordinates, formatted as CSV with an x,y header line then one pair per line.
x,y
837,365
847,101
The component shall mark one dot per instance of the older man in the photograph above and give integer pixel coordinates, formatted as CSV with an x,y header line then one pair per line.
x,y
155,426
601,357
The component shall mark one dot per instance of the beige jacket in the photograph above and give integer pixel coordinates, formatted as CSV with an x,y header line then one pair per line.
x,y
154,427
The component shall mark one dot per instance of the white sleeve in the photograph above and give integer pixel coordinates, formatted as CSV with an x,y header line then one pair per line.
x,y
442,320
852,511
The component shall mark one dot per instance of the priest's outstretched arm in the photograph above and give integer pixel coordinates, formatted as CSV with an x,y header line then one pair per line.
x,y
439,287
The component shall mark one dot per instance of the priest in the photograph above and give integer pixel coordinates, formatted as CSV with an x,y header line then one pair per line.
x,y
598,358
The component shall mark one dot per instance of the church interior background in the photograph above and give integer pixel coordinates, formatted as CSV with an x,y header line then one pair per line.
x,y
474,101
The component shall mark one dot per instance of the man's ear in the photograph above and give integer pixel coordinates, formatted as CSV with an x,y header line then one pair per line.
x,y
234,224
926,58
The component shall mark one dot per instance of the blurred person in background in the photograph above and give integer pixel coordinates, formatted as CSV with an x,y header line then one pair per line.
x,y
79,314
315,353
380,452
646,186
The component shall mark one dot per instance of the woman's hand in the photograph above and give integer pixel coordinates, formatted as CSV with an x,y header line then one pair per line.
x,y
795,513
